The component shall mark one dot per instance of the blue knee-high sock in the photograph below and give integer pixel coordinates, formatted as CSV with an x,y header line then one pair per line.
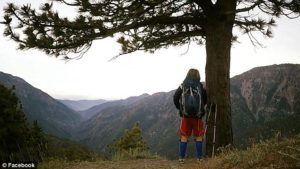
x,y
199,149
182,149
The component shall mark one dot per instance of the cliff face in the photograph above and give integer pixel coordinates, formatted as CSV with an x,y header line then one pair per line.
x,y
266,100
268,89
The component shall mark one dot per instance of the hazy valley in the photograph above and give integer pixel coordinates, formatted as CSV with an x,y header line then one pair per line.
x,y
265,101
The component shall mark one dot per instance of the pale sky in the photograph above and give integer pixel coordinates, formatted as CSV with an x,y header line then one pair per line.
x,y
93,77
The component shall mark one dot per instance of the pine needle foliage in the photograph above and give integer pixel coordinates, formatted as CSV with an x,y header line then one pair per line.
x,y
131,144
139,25
20,141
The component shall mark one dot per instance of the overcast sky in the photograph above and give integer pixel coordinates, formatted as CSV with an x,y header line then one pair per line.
x,y
93,77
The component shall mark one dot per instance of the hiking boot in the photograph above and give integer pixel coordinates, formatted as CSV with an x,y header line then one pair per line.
x,y
181,160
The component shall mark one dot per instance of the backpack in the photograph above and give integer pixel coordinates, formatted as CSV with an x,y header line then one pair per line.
x,y
191,101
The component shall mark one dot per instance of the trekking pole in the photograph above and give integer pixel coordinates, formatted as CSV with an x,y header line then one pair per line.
x,y
206,124
207,118
214,139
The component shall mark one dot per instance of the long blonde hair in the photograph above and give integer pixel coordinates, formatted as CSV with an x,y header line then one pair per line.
x,y
193,74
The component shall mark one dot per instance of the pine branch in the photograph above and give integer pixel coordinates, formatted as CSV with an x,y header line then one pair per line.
x,y
67,3
206,5
246,9
147,25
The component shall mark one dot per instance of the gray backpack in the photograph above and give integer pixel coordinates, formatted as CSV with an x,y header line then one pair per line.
x,y
191,101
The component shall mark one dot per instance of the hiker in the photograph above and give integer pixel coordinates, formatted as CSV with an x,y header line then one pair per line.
x,y
190,99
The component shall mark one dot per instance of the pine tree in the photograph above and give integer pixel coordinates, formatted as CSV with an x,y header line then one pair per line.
x,y
152,24
14,129
131,140
37,141
19,141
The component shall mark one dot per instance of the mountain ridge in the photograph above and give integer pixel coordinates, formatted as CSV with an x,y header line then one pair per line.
x,y
159,120
87,114
55,118
268,98
81,105
265,100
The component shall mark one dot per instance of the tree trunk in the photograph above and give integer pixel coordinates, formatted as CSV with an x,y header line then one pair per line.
x,y
218,45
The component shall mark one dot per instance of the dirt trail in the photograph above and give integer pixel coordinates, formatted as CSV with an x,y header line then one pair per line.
x,y
138,164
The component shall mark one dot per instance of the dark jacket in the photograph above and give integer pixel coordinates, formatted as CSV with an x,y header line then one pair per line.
x,y
177,96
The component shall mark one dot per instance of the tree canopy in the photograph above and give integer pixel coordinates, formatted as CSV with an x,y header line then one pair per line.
x,y
140,25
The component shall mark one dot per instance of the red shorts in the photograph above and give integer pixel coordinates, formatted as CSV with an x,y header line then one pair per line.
x,y
191,125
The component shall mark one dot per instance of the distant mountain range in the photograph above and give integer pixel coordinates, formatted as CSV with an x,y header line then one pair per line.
x,y
155,113
54,117
265,101
87,114
81,105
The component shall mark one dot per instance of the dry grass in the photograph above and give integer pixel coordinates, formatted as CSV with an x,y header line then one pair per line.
x,y
275,154
133,154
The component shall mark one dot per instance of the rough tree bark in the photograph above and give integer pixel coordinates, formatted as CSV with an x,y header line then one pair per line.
x,y
218,45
